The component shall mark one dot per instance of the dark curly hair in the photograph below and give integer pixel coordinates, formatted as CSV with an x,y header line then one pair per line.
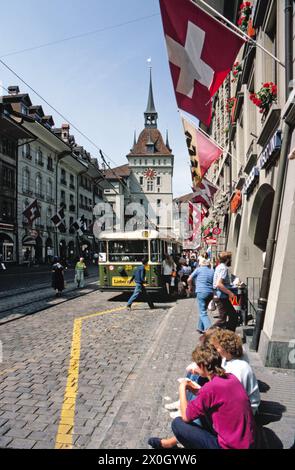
x,y
207,356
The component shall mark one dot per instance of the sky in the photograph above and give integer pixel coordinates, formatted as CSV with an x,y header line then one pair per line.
x,y
100,81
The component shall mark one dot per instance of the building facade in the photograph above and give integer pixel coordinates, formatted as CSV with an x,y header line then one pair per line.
x,y
50,167
257,186
147,178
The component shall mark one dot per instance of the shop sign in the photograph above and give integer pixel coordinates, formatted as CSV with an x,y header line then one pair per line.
x,y
265,159
236,202
251,180
270,151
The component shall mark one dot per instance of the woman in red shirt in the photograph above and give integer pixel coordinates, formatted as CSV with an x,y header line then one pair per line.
x,y
220,416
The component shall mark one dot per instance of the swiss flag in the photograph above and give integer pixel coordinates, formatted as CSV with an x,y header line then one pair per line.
x,y
204,194
32,212
201,53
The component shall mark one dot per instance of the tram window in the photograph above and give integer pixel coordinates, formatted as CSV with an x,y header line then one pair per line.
x,y
156,254
127,250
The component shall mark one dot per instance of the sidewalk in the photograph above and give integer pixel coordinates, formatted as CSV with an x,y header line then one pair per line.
x,y
139,411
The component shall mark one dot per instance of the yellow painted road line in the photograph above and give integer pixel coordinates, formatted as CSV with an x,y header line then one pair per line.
x,y
64,437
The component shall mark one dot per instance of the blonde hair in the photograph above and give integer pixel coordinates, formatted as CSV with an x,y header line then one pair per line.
x,y
229,341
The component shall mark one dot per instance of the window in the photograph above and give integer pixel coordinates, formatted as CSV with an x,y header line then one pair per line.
x,y
127,250
26,151
72,185
49,163
158,202
38,185
150,185
146,162
49,189
165,162
140,161
63,177
8,177
158,220
159,162
48,217
135,162
63,198
8,148
26,180
154,162
141,201
141,180
158,180
71,199
39,159
23,109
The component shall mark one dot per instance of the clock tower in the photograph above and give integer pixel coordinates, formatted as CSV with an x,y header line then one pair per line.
x,y
151,169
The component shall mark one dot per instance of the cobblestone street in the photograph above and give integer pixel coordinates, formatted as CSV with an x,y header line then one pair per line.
x,y
126,365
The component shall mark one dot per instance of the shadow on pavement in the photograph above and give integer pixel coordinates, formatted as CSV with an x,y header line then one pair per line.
x,y
269,412
267,439
263,387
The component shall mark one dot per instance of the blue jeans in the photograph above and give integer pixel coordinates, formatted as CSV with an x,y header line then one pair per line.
x,y
192,436
140,289
203,299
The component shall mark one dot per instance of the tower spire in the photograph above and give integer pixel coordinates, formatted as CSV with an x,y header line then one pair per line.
x,y
150,115
167,140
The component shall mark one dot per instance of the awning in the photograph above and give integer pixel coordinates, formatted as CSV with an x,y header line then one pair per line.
x,y
29,241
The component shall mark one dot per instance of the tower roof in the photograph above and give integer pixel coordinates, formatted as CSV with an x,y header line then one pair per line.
x,y
150,104
150,115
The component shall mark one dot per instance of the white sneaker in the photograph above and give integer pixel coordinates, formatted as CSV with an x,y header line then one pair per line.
x,y
173,406
175,414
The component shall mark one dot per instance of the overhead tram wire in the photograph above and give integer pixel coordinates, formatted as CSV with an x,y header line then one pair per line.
x,y
51,106
73,126
77,36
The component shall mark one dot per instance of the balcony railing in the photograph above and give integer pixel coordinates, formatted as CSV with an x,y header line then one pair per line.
x,y
72,208
72,186
40,163
27,155
63,205
50,168
62,181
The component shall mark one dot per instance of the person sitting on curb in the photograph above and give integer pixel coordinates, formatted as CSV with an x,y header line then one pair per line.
x,y
222,407
230,347
139,278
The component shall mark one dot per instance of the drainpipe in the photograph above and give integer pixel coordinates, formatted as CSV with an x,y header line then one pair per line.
x,y
279,193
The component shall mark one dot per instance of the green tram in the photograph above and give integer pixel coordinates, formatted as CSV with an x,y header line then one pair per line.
x,y
121,252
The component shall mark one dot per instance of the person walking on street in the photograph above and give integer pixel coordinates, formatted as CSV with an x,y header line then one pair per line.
x,y
58,282
203,278
169,267
228,317
139,278
79,273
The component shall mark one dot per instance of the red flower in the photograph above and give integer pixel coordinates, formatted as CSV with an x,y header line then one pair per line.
x,y
266,85
239,21
274,89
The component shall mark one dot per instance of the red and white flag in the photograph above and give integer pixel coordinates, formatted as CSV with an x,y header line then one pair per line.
x,y
204,194
203,152
201,53
194,221
32,212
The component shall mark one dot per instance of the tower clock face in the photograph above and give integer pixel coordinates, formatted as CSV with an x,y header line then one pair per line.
x,y
150,173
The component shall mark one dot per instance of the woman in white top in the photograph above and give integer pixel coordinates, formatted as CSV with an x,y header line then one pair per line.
x,y
229,345
168,268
